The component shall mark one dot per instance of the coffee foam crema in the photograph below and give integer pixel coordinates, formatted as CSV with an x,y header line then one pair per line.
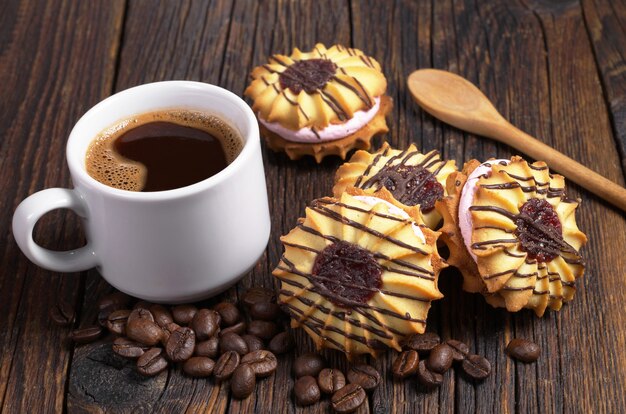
x,y
105,165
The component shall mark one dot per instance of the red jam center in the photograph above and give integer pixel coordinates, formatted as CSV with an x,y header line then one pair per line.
x,y
347,273
410,184
539,230
310,75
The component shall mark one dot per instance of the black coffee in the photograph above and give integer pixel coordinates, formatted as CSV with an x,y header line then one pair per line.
x,y
162,150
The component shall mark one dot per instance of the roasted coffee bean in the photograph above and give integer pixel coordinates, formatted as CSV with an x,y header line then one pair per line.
x,y
180,345
86,335
62,313
308,364
266,311
199,366
128,348
239,328
476,366
331,380
254,343
140,313
103,316
242,382
233,342
262,362
144,331
116,300
151,362
306,391
183,314
422,343
167,331
205,323
459,349
281,343
162,316
256,295
405,364
348,399
427,377
230,313
523,350
226,365
116,322
440,358
209,348
263,329
364,375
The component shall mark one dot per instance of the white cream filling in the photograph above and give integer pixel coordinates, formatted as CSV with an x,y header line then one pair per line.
x,y
393,210
331,132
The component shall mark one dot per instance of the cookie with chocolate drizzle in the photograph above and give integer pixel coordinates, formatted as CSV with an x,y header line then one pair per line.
x,y
412,178
512,232
359,273
322,102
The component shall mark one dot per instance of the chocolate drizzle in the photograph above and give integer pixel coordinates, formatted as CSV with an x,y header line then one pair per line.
x,y
309,75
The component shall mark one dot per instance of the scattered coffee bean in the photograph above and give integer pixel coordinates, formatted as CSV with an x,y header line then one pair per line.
x,y
103,316
266,311
422,343
116,300
476,366
440,358
281,343
331,380
183,314
262,362
167,331
263,329
523,350
162,316
230,313
308,364
254,343
256,295
239,328
364,375
306,391
62,313
140,313
199,366
233,342
405,364
205,323
348,399
181,344
459,349
427,377
116,323
226,365
128,348
208,348
242,382
144,331
86,335
151,362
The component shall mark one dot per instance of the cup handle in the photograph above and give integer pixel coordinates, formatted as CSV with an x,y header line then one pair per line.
x,y
31,210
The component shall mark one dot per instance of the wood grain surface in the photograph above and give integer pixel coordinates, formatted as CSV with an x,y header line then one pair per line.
x,y
556,69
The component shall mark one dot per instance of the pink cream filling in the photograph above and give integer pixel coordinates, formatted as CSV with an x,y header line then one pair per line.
x,y
467,198
331,132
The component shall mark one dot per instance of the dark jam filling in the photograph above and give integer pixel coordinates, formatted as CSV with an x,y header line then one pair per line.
x,y
410,184
348,273
310,75
539,230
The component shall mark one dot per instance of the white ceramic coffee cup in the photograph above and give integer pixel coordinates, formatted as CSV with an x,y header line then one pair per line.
x,y
169,246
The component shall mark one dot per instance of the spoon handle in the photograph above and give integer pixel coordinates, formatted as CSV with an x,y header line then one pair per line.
x,y
504,132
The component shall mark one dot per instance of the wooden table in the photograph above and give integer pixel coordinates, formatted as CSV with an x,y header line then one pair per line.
x,y
556,69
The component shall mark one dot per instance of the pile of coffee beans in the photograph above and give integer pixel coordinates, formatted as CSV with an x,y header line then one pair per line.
x,y
348,392
427,357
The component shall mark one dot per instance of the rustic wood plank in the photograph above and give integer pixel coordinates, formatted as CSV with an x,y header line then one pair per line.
x,y
52,72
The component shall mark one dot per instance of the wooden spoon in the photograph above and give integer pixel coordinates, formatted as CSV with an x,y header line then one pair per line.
x,y
459,103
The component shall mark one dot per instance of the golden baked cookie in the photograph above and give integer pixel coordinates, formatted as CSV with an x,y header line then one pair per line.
x,y
322,102
512,233
411,177
358,273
